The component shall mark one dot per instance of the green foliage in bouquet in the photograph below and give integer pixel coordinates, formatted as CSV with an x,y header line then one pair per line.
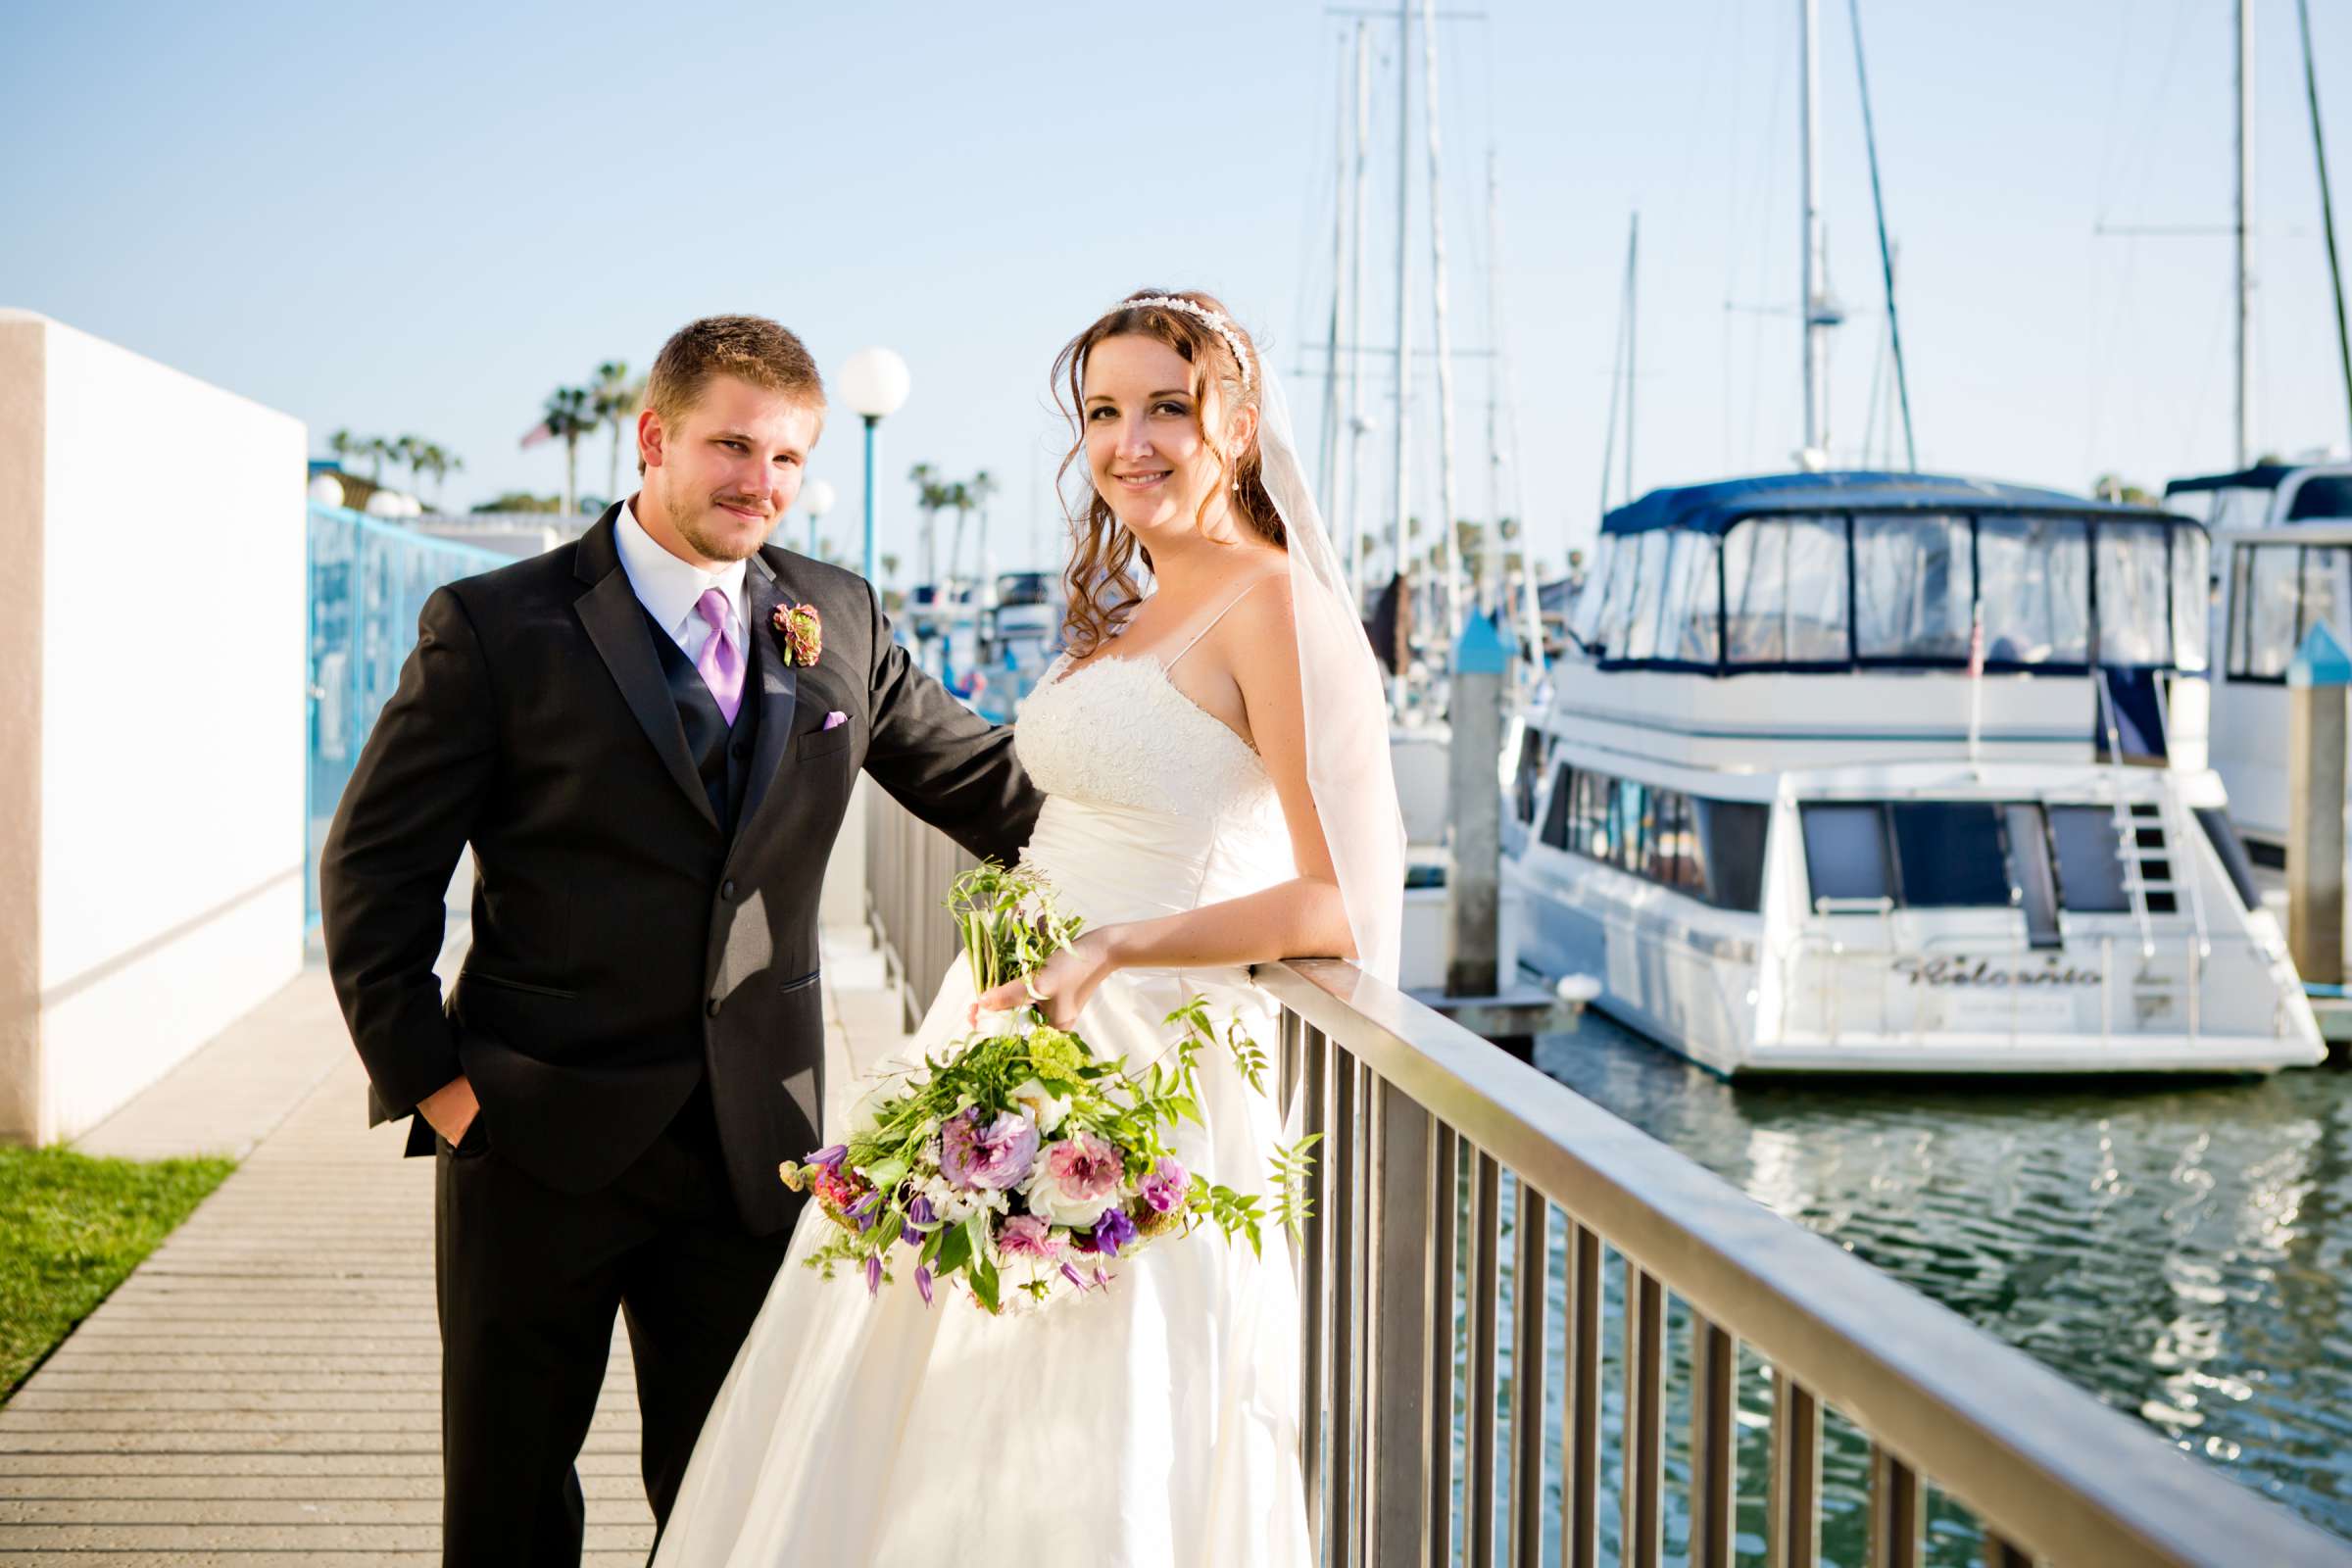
x,y
1020,1159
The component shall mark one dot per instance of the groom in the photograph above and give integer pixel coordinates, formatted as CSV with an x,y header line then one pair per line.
x,y
649,738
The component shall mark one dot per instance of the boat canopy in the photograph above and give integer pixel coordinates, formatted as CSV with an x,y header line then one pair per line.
x,y
1715,507
1827,572
2261,476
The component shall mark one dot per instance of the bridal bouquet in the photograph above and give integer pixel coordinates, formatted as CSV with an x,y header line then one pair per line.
x,y
1022,1163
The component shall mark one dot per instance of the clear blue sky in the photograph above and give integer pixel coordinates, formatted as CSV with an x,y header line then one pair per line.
x,y
424,217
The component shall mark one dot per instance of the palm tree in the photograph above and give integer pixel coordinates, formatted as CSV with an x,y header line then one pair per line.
x,y
964,495
570,414
890,565
440,464
375,451
410,451
615,400
930,494
346,446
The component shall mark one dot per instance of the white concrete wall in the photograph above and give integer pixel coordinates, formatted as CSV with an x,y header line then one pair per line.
x,y
170,724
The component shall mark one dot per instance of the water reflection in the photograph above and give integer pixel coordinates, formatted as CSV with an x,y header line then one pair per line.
x,y
2174,1248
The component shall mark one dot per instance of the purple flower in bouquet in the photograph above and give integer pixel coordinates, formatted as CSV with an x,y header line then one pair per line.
x,y
1027,1236
996,1156
874,1274
866,1211
1113,1230
831,1157
918,1214
922,1284
1163,1186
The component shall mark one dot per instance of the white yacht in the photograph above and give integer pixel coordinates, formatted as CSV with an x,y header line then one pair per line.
x,y
2283,564
1894,773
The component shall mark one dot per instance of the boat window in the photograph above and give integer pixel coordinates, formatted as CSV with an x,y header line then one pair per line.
x,y
1787,579
2232,852
2270,612
1845,851
2034,584
2192,598
1649,583
1949,855
1912,587
1555,820
1584,623
1666,840
1617,609
1675,598
1694,568
1591,829
2134,615
2326,596
1633,825
2031,869
2322,495
1731,843
1530,774
2241,600
2090,867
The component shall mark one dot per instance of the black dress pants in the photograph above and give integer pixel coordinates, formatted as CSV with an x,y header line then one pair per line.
x,y
528,1282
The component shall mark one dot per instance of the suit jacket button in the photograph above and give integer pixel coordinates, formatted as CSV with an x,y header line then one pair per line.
x,y
726,889
711,1006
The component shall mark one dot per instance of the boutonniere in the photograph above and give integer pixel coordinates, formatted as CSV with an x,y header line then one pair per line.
x,y
801,631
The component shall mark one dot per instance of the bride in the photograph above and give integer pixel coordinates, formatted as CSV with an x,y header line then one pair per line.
x,y
1215,761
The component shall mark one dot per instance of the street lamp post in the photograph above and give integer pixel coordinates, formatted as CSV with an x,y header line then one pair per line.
x,y
816,499
874,383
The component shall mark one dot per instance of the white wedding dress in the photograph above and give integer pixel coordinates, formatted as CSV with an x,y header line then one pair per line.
x,y
1152,1425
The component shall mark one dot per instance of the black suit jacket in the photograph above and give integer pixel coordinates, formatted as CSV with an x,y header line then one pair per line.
x,y
625,945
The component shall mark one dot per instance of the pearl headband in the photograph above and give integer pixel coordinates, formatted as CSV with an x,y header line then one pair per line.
x,y
1199,313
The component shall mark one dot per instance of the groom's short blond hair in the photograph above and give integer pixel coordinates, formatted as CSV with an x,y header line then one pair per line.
x,y
750,348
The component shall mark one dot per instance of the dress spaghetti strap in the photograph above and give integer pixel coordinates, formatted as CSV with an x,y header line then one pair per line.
x,y
1213,619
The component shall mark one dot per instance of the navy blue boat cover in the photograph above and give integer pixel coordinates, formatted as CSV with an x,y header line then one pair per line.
x,y
1714,508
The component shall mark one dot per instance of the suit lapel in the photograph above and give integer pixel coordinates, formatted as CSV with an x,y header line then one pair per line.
x,y
779,687
617,624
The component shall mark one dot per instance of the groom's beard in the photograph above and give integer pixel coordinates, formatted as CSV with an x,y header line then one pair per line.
x,y
719,535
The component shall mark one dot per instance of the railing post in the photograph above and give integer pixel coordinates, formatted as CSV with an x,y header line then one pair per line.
x,y
1795,1508
1530,1279
1314,1326
1641,1503
1444,1205
1714,1444
1402,1250
1478,1481
1897,1512
1579,1464
1342,1541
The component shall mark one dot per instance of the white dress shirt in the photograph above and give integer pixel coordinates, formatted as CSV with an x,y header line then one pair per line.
x,y
670,588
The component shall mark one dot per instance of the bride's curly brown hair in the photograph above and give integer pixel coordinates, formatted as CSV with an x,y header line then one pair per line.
x,y
1100,588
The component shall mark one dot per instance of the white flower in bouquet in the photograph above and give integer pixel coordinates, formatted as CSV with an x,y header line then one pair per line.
x,y
1074,1182
1049,1111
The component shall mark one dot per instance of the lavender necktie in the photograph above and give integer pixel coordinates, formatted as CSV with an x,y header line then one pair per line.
x,y
721,663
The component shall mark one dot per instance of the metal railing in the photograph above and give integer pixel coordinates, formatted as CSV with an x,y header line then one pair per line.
x,y
907,870
367,580
1448,1173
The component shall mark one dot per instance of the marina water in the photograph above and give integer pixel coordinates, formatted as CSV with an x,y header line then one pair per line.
x,y
2178,1248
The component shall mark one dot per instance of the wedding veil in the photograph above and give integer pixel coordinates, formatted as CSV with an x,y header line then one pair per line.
x,y
1348,767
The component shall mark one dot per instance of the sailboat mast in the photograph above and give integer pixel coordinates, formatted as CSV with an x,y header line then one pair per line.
x,y
1404,273
2318,153
1813,282
2244,226
1334,390
1633,276
1448,535
1356,424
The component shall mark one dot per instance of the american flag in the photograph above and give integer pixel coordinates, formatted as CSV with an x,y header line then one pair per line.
x,y
535,434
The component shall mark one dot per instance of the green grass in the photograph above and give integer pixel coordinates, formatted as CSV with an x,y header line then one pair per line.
x,y
71,1229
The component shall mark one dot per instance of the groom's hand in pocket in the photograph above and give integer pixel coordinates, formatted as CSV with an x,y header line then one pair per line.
x,y
451,1108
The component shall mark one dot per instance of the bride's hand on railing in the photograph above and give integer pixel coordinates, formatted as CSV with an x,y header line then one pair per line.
x,y
1059,988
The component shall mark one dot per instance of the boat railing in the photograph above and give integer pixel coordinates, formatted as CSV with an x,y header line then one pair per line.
x,y
1450,1178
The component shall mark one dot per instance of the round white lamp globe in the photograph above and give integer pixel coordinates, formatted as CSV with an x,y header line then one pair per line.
x,y
816,498
385,504
874,383
327,490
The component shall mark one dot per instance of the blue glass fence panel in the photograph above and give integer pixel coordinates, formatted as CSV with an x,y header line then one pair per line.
x,y
367,581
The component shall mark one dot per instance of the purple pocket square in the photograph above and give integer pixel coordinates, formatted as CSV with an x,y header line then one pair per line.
x,y
836,718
